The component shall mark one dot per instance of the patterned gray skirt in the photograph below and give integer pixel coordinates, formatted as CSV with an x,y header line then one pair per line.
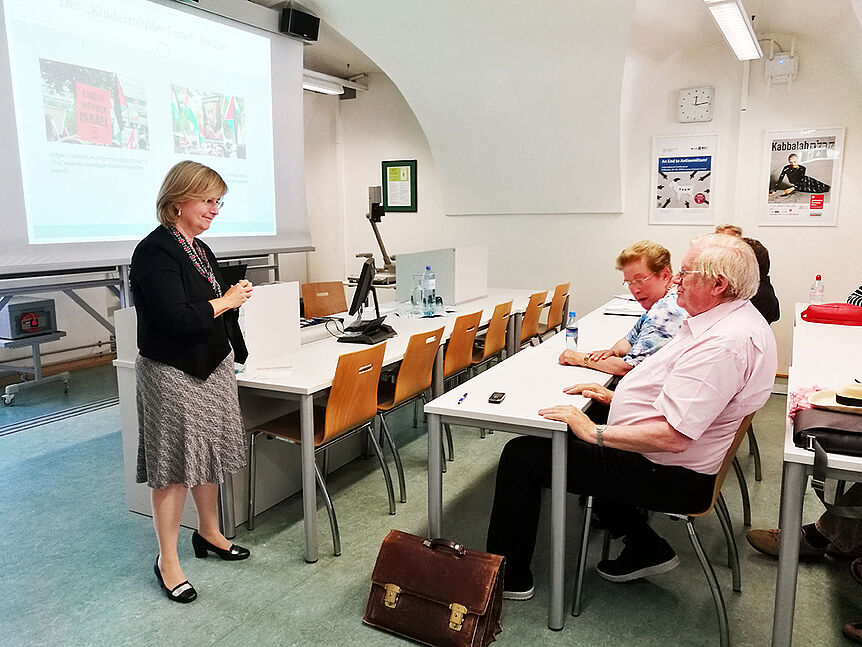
x,y
190,430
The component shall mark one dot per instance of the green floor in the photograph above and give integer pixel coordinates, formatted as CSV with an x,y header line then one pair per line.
x,y
76,566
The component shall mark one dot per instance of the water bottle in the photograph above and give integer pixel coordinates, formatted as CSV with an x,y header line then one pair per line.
x,y
572,331
429,292
815,294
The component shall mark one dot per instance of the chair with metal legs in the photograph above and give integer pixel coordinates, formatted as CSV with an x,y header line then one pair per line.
x,y
323,299
413,380
492,344
530,320
717,502
351,408
458,358
555,312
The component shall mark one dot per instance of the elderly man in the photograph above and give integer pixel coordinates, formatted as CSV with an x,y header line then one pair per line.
x,y
672,419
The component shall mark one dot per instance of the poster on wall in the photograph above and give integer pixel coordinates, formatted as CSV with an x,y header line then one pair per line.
x,y
803,177
683,186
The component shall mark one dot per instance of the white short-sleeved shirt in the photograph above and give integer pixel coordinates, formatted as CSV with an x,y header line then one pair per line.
x,y
718,368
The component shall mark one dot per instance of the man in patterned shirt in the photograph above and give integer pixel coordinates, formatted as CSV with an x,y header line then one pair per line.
x,y
647,273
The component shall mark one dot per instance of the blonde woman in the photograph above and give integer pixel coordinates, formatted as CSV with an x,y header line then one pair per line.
x,y
191,433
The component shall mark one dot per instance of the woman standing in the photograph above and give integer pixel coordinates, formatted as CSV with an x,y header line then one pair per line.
x,y
191,432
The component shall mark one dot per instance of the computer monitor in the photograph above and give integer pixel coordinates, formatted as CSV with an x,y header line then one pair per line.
x,y
363,286
371,331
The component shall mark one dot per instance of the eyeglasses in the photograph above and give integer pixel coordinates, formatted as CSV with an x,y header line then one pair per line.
x,y
218,203
637,282
682,273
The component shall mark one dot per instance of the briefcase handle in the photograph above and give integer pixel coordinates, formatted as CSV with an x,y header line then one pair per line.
x,y
437,543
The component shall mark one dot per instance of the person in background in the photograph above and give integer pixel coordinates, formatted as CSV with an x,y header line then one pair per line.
x,y
730,230
191,434
765,300
648,275
856,297
672,420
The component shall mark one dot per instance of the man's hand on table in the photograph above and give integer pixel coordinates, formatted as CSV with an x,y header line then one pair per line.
x,y
591,390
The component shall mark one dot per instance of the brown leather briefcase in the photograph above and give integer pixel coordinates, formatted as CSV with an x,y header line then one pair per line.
x,y
436,592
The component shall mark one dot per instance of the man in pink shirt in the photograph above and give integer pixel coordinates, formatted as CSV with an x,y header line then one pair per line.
x,y
671,421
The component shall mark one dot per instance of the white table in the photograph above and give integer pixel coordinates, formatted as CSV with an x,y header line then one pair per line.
x,y
828,356
532,379
309,372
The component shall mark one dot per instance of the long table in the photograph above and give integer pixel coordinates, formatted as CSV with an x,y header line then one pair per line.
x,y
532,379
828,356
308,373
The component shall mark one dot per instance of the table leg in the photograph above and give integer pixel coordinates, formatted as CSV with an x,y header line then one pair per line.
x,y
227,520
516,333
559,460
790,521
435,477
309,487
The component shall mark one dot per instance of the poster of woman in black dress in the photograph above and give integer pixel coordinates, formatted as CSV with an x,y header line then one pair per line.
x,y
799,181
802,177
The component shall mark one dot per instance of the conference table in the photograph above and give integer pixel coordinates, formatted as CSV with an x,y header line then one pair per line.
x,y
531,380
828,356
307,373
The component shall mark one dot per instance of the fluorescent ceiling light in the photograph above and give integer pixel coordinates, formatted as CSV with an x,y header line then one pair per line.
x,y
327,84
324,87
735,26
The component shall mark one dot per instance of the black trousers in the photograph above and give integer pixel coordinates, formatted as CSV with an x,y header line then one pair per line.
x,y
620,481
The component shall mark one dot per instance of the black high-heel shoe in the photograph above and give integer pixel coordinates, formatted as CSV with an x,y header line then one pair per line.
x,y
182,592
232,554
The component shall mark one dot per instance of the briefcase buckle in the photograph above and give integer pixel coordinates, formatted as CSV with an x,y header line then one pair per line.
x,y
391,597
456,619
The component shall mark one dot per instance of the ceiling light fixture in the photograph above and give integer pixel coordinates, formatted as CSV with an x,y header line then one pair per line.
x,y
327,84
735,26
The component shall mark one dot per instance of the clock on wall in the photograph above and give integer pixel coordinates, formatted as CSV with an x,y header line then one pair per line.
x,y
695,104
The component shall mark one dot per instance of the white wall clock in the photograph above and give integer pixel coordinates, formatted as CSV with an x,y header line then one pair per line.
x,y
695,104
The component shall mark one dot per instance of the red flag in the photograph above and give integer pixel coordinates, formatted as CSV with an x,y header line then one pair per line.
x,y
120,95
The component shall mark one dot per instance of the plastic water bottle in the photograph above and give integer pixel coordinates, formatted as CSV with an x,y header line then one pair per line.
x,y
429,292
572,331
815,294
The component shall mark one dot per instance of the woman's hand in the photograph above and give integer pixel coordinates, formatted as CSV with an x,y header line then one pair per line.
x,y
571,358
583,427
598,355
238,294
591,390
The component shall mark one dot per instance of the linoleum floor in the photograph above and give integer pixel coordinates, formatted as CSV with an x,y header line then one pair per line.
x,y
76,566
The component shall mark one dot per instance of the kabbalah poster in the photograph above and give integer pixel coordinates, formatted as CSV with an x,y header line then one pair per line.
x,y
683,181
803,177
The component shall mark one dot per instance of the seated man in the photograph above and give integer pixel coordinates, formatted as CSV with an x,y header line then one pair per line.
x,y
648,275
764,299
672,419
729,230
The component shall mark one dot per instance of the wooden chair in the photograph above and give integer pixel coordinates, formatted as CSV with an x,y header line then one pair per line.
x,y
459,358
323,299
555,312
717,502
530,321
351,407
493,343
413,380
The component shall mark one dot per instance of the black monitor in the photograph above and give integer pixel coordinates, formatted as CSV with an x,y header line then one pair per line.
x,y
233,274
363,286
373,330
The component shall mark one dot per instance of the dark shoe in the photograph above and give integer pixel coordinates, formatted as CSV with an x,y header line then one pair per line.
x,y
182,592
853,630
636,562
767,542
232,554
518,589
836,553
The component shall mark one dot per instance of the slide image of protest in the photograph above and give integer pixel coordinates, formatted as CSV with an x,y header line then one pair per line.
x,y
207,123
84,105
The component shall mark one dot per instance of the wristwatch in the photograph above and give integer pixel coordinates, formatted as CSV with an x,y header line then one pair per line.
x,y
600,429
586,360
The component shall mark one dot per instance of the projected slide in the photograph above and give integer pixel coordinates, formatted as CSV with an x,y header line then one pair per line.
x,y
110,94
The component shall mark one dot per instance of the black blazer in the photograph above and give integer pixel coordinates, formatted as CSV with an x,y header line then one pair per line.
x,y
175,319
